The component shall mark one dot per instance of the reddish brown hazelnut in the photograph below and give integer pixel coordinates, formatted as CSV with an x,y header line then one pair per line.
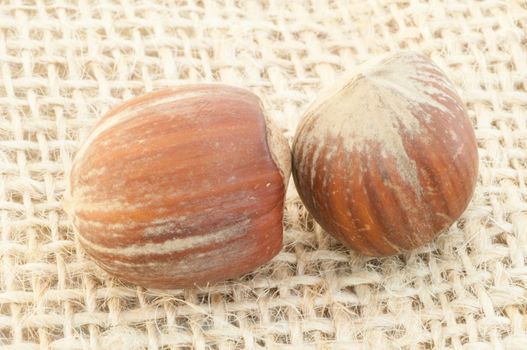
x,y
387,159
180,187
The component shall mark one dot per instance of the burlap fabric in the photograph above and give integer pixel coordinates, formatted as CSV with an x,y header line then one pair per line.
x,y
64,63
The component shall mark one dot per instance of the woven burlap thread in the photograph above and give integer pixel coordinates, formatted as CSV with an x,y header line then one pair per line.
x,y
64,63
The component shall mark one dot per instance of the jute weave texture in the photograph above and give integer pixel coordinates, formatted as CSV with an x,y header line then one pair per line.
x,y
64,63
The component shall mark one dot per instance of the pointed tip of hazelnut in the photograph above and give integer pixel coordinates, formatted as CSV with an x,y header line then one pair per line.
x,y
279,149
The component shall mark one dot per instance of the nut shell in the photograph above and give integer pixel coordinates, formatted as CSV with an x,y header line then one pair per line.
x,y
181,187
388,158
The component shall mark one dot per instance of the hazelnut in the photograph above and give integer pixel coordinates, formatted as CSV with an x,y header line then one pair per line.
x,y
387,159
182,186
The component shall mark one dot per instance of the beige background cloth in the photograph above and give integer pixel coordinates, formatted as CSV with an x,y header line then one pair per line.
x,y
64,63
